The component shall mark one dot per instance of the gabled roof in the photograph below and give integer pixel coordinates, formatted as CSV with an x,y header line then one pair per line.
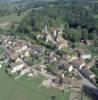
x,y
77,62
16,64
76,84
37,48
65,65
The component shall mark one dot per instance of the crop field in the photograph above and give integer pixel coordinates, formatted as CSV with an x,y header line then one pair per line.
x,y
26,89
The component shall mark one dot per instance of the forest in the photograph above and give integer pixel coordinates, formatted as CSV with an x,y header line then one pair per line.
x,y
77,20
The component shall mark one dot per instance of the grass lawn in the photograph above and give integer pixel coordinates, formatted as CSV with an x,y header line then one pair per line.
x,y
95,16
13,17
1,50
26,89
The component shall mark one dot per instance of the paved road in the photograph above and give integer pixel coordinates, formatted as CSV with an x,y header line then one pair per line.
x,y
90,88
85,81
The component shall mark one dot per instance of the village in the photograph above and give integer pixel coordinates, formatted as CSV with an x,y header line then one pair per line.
x,y
61,70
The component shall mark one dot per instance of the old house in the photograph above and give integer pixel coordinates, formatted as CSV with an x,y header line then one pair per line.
x,y
16,66
66,66
60,73
61,42
25,70
20,46
39,36
41,68
37,50
76,84
53,58
65,57
48,38
88,42
25,53
57,81
91,64
78,63
11,54
84,54
67,81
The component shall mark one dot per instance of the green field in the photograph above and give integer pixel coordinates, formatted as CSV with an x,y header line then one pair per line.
x,y
96,16
1,50
13,17
26,89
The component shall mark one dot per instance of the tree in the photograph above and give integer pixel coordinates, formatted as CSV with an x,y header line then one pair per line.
x,y
75,35
96,42
1,30
53,68
66,31
84,34
92,36
53,97
18,12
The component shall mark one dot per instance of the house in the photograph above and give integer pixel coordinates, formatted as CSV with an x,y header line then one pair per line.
x,y
39,36
66,81
87,73
45,29
25,53
60,73
47,37
53,58
66,66
61,43
18,59
37,50
84,54
55,34
16,66
65,57
41,68
91,64
76,84
19,46
25,70
88,42
7,41
78,63
11,54
57,81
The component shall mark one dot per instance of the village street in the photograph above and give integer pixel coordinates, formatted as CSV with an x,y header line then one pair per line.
x,y
85,83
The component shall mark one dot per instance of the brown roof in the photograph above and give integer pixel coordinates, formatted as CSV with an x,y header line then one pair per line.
x,y
89,65
57,80
65,57
77,62
76,84
11,54
59,73
16,64
67,80
64,65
